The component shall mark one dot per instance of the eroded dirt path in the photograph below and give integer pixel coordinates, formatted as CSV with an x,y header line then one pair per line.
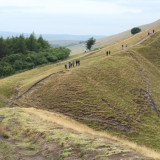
x,y
66,122
52,136
33,88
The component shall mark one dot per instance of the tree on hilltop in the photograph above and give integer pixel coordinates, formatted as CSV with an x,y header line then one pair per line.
x,y
135,30
90,43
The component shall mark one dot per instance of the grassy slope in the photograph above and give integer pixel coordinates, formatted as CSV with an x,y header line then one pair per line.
x,y
150,49
27,79
105,93
37,138
150,52
108,93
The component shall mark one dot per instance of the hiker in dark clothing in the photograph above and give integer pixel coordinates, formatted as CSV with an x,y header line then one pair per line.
x,y
65,66
77,62
73,63
122,46
107,53
69,65
153,30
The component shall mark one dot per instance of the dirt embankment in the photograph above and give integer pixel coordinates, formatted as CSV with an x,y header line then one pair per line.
x,y
37,134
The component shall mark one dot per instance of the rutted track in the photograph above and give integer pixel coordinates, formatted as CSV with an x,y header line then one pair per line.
x,y
76,126
33,88
148,93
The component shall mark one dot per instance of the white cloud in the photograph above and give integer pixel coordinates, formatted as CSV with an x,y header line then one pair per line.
x,y
19,3
76,16
70,6
156,1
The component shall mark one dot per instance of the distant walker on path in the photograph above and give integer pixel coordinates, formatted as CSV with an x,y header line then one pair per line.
x,y
77,62
107,53
69,65
65,66
122,46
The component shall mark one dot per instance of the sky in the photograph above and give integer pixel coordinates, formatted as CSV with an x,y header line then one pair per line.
x,y
76,17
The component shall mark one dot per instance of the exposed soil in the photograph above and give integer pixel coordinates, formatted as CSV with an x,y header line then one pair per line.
x,y
33,88
43,136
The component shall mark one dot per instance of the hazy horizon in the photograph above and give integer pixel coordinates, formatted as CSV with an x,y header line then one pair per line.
x,y
70,17
51,33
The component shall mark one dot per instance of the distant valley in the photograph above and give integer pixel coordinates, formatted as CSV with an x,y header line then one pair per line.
x,y
53,37
65,43
58,40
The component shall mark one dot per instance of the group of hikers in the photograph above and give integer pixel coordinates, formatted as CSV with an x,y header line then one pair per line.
x,y
71,64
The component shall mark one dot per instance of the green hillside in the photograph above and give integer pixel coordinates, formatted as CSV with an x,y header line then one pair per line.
x,y
117,94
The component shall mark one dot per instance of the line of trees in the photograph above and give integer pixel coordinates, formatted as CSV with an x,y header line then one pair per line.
x,y
20,53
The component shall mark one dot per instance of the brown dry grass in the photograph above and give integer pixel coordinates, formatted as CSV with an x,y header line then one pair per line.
x,y
72,124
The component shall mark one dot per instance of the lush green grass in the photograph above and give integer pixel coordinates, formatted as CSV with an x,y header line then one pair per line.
x,y
150,49
5,149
